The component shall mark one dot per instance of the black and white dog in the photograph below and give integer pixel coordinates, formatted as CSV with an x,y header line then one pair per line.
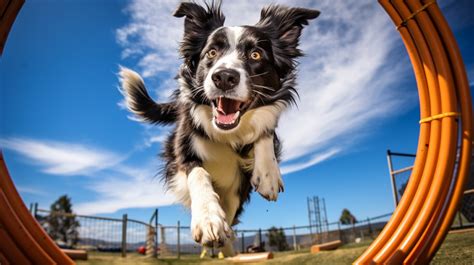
x,y
233,85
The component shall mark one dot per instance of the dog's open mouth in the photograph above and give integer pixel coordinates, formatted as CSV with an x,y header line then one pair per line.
x,y
227,112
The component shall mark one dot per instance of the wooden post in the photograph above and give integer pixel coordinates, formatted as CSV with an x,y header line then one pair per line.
x,y
124,235
150,242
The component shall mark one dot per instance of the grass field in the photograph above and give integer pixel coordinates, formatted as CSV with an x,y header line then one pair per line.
x,y
457,249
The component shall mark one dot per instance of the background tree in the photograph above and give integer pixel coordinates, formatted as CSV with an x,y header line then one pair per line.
x,y
347,218
277,238
61,224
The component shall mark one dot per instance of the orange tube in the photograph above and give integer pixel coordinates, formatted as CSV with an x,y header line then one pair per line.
x,y
393,247
426,211
10,250
422,219
19,234
26,231
438,233
444,170
406,214
423,142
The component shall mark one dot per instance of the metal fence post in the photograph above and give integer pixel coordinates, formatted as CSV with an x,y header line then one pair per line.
x,y
124,235
392,178
179,242
35,210
353,229
242,241
370,227
308,200
155,251
294,238
339,230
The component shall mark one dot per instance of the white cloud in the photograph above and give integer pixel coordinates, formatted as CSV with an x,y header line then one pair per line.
x,y
315,159
31,190
346,81
116,185
158,138
61,158
128,188
149,19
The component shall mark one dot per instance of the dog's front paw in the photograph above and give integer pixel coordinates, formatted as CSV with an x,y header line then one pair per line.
x,y
266,179
208,225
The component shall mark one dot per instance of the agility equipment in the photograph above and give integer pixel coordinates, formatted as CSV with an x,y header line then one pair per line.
x,y
251,257
75,254
8,11
425,213
23,240
326,246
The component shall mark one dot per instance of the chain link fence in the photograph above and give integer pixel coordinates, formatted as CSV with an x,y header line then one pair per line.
x,y
175,241
172,241
95,233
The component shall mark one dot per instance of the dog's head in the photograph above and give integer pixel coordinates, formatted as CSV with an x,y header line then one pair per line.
x,y
237,69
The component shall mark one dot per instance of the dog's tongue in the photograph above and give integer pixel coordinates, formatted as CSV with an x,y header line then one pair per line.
x,y
226,110
227,105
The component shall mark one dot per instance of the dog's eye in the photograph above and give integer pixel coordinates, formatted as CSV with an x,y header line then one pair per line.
x,y
211,53
256,56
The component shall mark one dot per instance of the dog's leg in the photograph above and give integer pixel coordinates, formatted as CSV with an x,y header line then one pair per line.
x,y
230,203
266,177
208,221
228,249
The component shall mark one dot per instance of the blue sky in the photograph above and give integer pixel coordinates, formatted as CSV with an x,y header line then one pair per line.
x,y
64,130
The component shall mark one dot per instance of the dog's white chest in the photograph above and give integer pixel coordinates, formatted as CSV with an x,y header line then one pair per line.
x,y
221,161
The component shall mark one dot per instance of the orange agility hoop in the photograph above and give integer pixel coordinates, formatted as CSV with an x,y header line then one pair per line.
x,y
422,219
425,213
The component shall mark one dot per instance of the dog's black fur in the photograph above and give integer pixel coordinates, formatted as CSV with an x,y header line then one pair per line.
x,y
271,80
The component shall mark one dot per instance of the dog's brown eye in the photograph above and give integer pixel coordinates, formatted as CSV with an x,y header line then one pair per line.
x,y
256,56
211,53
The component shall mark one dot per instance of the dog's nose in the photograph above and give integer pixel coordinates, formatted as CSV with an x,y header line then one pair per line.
x,y
226,79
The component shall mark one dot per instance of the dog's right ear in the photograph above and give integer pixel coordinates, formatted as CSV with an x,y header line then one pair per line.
x,y
199,23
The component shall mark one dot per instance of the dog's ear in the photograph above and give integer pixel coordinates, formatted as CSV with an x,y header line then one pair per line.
x,y
199,23
283,25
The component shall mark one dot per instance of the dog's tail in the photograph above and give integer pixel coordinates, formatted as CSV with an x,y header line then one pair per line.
x,y
141,104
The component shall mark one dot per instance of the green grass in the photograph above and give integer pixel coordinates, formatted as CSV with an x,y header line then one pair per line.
x,y
456,249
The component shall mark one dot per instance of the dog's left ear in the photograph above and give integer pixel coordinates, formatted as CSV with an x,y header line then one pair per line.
x,y
199,23
284,25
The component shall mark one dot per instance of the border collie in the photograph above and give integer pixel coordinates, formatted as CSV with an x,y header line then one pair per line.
x,y
233,85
